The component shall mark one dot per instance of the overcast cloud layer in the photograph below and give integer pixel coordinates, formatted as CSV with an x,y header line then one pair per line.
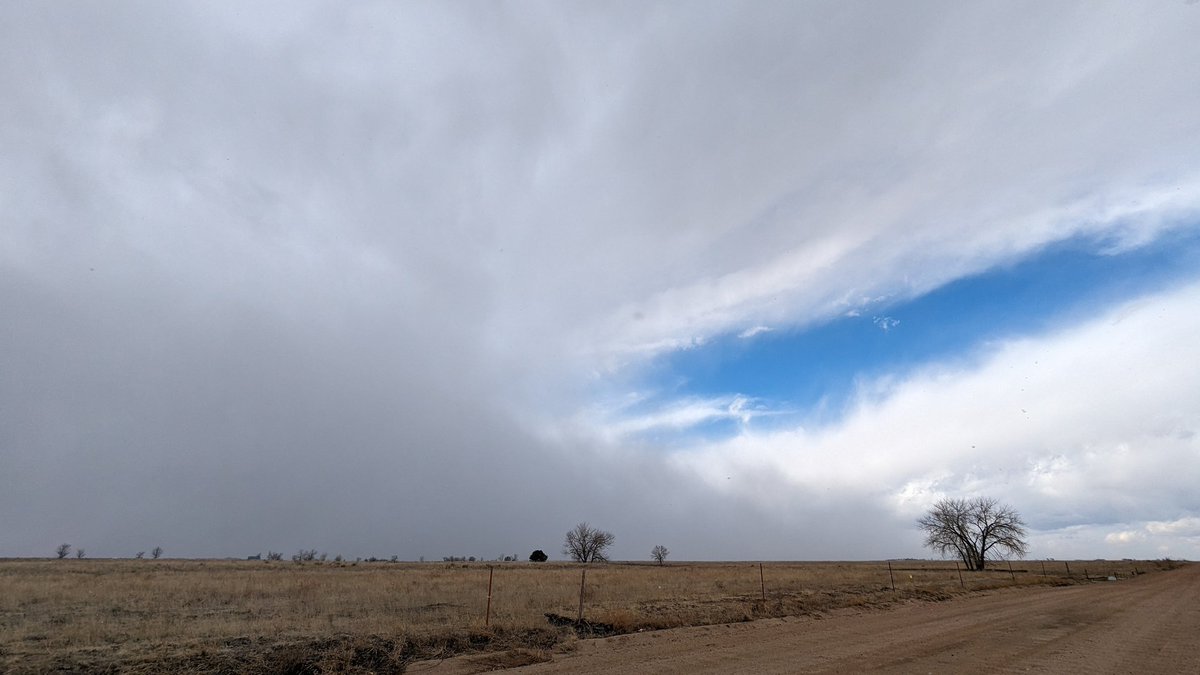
x,y
375,279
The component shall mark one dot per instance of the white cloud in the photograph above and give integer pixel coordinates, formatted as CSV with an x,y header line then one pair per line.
x,y
1123,537
751,332
885,323
616,423
1185,527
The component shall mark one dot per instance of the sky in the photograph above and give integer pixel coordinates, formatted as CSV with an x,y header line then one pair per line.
x,y
750,281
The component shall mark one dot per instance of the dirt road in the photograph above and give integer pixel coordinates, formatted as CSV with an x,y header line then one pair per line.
x,y
1150,624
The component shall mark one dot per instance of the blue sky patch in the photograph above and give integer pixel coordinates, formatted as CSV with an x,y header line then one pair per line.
x,y
809,374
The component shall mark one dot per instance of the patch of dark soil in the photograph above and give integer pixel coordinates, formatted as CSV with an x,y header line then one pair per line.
x,y
582,627
513,658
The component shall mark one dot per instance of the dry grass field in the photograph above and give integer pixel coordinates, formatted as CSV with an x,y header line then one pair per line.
x,y
284,617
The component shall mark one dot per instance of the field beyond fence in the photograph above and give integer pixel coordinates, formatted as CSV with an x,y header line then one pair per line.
x,y
256,616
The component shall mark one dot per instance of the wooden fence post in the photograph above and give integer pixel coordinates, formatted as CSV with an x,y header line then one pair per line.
x,y
762,582
1043,568
960,579
891,576
1011,573
1068,568
582,579
487,616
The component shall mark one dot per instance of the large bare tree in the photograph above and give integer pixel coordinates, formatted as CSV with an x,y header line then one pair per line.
x,y
660,553
974,530
585,543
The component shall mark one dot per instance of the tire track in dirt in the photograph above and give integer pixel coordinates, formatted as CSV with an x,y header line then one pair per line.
x,y
1150,624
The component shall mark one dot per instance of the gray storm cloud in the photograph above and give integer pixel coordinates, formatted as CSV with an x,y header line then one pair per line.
x,y
334,276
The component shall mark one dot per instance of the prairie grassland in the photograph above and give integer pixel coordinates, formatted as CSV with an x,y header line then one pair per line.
x,y
205,616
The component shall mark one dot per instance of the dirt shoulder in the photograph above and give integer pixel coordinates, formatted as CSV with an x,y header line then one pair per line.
x,y
1148,624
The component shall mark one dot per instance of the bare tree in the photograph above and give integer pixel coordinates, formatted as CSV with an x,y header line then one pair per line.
x,y
305,555
660,553
156,552
62,551
140,555
974,530
585,544
80,553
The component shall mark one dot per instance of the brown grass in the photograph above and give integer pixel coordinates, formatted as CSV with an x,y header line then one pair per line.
x,y
234,616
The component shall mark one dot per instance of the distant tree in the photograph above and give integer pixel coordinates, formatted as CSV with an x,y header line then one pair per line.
x,y
140,555
660,553
62,551
538,556
274,555
586,544
156,552
974,530
80,553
